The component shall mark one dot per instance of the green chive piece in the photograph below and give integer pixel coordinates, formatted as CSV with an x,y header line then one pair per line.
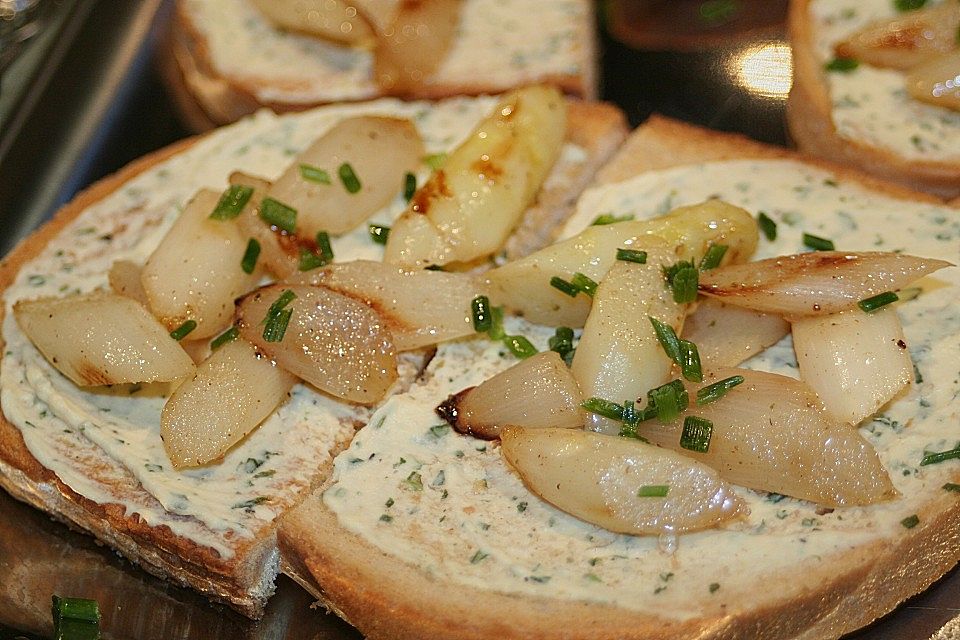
x,y
951,486
690,361
609,218
876,302
908,5
435,160
653,491
249,261
480,312
232,202
276,326
842,65
696,434
314,174
323,245
940,456
817,243
630,416
278,215
715,391
910,521
478,556
713,257
667,337
349,178
229,335
283,300
76,609
632,255
564,287
409,186
520,346
685,285
379,233
767,226
310,260
668,401
584,283
70,629
561,341
496,324
183,330
604,408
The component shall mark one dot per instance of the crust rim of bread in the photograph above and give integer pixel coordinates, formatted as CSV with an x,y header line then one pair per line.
x,y
387,602
245,585
810,122
197,83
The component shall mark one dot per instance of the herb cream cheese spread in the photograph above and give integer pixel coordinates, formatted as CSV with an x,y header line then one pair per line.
x,y
449,504
872,105
105,443
498,44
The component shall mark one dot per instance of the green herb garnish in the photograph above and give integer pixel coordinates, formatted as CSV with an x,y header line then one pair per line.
x,y
409,186
229,335
908,5
940,456
715,391
653,491
668,400
232,202
609,218
817,243
183,330
910,521
584,283
682,278
951,486
561,341
276,326
842,65
249,261
379,233
876,302
564,287
632,255
314,174
667,337
520,346
767,226
349,178
278,215
690,361
435,160
713,257
480,312
604,408
696,434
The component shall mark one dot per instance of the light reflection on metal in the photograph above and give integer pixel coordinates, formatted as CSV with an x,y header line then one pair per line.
x,y
765,69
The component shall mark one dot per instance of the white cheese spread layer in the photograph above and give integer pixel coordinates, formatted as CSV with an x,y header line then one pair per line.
x,y
872,105
105,443
449,504
499,44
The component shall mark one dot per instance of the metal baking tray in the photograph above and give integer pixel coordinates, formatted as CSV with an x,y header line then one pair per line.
x,y
83,99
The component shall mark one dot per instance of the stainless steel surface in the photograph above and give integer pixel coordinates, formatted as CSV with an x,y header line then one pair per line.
x,y
88,101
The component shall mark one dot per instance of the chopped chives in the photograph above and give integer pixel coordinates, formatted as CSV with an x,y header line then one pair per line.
x,y
653,491
940,456
314,174
520,346
668,400
715,391
71,629
409,186
496,324
229,335
183,330
379,233
767,226
609,218
951,486
278,215
435,160
685,285
249,261
817,243
713,256
876,302
283,300
323,244
276,326
564,287
843,65
632,255
667,337
696,434
349,178
604,408
584,283
232,202
630,416
75,609
690,361
561,341
908,5
480,312
910,521
310,260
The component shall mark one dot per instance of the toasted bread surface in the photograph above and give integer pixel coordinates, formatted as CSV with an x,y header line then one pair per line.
x,y
811,120
395,585
293,72
236,569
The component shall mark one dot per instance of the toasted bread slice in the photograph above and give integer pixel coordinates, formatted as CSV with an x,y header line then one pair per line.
x,y
469,552
93,458
225,59
863,117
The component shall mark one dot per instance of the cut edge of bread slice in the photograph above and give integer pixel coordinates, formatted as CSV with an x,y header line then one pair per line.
x,y
810,122
246,581
387,598
205,97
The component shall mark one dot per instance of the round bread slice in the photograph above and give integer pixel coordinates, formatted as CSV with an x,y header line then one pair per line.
x,y
875,136
224,59
423,532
